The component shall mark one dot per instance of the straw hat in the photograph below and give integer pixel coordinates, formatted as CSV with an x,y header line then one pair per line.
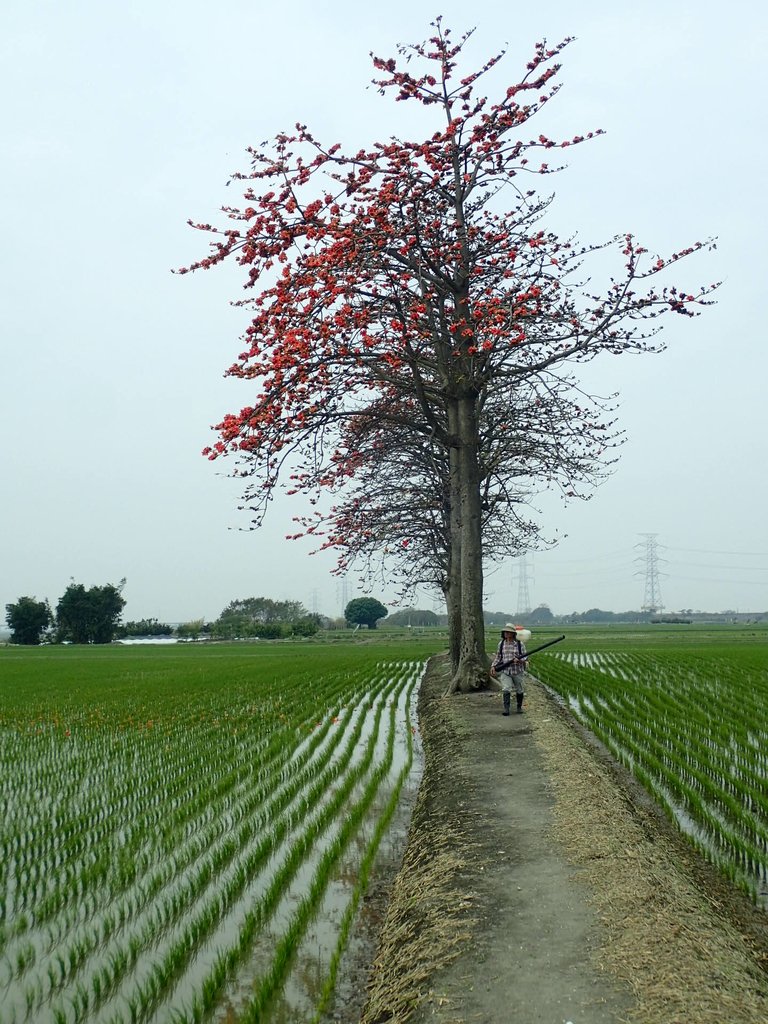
x,y
521,633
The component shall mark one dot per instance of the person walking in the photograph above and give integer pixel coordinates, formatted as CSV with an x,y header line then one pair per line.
x,y
508,667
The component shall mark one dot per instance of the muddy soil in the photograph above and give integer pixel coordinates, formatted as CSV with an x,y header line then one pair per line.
x,y
539,884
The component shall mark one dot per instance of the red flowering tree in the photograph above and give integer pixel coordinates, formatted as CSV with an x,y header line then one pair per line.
x,y
396,276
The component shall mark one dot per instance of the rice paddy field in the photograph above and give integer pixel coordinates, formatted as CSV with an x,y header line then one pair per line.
x,y
685,709
186,832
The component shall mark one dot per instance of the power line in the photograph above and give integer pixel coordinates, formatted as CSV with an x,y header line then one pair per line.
x,y
716,579
600,572
746,554
737,568
615,570
621,553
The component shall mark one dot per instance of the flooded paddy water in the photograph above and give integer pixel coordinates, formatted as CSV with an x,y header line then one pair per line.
x,y
201,854
303,987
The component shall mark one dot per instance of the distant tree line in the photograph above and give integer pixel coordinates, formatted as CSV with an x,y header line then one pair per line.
x,y
82,616
144,627
543,616
265,619
92,616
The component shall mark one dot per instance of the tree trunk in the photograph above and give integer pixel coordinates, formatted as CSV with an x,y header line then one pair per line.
x,y
453,574
472,670
453,608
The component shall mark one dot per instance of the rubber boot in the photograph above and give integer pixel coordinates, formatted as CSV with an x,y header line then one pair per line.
x,y
507,696
519,699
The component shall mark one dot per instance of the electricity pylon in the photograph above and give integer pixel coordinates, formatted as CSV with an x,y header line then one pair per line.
x,y
342,590
652,600
523,597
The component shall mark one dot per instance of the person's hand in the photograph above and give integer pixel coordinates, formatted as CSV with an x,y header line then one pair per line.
x,y
493,672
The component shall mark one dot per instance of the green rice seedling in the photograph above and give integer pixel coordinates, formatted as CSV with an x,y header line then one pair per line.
x,y
134,1009
24,958
31,999
81,1004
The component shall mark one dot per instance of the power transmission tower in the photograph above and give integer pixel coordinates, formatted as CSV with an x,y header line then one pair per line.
x,y
652,600
523,597
344,595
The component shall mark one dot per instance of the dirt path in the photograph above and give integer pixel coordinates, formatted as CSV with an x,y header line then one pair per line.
x,y
539,885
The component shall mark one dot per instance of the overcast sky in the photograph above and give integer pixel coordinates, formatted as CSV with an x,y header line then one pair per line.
x,y
120,121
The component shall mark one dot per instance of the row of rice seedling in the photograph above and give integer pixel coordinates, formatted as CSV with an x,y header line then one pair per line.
x,y
380,822
690,723
160,813
293,843
300,900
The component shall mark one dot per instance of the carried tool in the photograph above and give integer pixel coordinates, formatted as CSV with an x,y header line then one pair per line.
x,y
524,657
